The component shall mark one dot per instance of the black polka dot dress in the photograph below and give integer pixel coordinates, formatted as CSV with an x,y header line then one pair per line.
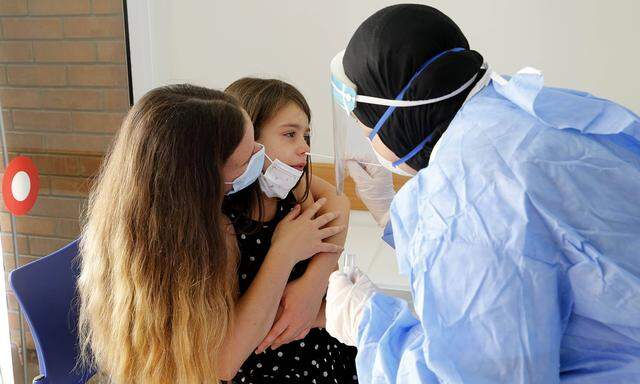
x,y
318,358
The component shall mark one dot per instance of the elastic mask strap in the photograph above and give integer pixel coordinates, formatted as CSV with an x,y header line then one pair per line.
x,y
413,151
390,110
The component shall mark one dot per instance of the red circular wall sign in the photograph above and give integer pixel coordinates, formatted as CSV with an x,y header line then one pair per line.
x,y
20,185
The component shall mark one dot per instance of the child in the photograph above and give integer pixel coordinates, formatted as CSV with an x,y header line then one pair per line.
x,y
301,350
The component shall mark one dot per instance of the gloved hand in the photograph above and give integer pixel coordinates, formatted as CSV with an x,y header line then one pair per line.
x,y
346,297
374,186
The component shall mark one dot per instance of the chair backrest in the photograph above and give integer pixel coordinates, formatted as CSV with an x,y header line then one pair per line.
x,y
46,291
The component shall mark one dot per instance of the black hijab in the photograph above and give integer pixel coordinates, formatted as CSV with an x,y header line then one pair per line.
x,y
385,52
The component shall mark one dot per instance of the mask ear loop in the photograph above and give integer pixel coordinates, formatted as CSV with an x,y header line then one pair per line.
x,y
424,66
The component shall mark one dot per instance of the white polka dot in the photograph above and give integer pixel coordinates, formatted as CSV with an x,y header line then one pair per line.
x,y
244,276
355,377
313,362
252,258
240,370
275,368
314,381
20,186
332,367
258,241
335,381
281,208
259,365
305,373
287,376
297,358
280,354
298,376
316,347
242,379
335,346
243,236
325,374
328,347
325,360
302,344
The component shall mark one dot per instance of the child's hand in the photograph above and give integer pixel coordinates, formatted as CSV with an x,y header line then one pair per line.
x,y
298,313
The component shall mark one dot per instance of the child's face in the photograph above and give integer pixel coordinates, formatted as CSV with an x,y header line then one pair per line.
x,y
285,136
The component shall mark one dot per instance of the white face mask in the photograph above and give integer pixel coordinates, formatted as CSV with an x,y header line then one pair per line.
x,y
279,179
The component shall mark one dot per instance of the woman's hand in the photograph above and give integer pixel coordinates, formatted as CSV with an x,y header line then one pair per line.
x,y
300,235
297,314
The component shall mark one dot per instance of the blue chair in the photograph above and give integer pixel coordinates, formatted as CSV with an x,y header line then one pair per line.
x,y
46,291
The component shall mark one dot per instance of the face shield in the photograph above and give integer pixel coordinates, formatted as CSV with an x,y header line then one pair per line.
x,y
349,139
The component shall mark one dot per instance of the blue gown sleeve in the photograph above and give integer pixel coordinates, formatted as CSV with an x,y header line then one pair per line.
x,y
486,317
490,308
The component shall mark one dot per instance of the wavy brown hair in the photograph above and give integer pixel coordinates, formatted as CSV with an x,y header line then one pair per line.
x,y
157,286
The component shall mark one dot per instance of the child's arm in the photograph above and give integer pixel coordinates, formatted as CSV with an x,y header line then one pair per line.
x,y
302,298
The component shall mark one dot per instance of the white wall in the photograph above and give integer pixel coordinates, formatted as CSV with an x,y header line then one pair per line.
x,y
590,45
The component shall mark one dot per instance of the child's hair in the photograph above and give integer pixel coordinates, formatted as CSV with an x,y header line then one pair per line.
x,y
263,99
157,285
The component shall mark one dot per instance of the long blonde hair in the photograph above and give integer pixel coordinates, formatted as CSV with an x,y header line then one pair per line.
x,y
157,283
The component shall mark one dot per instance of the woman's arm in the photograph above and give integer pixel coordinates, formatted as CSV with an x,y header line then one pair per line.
x,y
254,312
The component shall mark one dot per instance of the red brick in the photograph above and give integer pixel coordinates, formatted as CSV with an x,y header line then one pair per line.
x,y
71,99
13,7
36,75
59,7
41,120
69,186
32,28
8,125
12,302
25,142
42,226
5,222
98,75
67,165
7,244
45,185
78,144
68,228
116,100
96,121
107,6
64,51
111,51
57,207
94,27
20,98
42,246
15,51
89,165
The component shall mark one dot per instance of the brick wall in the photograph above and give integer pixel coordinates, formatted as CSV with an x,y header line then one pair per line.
x,y
63,89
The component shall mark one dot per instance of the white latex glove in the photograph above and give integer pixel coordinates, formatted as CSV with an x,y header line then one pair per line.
x,y
346,297
374,186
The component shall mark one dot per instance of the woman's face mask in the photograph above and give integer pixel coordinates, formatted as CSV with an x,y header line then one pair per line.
x,y
251,173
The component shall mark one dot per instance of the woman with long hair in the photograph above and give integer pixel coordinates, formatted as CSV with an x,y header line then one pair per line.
x,y
158,287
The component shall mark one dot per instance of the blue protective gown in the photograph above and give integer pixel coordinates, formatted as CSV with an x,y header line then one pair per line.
x,y
521,240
